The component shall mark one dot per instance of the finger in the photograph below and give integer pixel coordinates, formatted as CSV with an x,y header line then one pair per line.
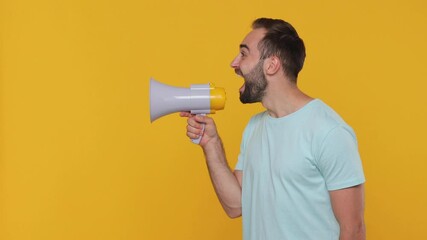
x,y
192,121
204,119
185,114
194,130
200,118
192,135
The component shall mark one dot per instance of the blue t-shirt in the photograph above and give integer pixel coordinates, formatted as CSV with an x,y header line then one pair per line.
x,y
289,166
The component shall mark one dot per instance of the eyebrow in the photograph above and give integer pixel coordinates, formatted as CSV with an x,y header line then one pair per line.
x,y
244,46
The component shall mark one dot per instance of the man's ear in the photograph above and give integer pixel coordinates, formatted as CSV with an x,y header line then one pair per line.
x,y
272,65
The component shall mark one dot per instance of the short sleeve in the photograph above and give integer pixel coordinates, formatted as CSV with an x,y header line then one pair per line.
x,y
339,160
242,155
240,158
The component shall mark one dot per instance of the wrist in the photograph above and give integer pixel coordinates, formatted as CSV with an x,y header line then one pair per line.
x,y
213,144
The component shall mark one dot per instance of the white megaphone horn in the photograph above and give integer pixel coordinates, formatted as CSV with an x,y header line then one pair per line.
x,y
198,99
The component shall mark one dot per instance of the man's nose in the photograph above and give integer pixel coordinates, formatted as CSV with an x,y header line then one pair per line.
x,y
235,63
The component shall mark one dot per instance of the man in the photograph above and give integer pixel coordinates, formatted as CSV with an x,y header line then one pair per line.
x,y
299,175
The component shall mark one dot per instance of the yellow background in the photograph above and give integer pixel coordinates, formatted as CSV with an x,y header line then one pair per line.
x,y
81,160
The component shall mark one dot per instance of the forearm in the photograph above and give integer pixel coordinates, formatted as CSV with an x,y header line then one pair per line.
x,y
348,205
357,232
225,183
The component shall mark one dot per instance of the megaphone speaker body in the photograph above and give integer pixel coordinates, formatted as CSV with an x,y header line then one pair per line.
x,y
198,99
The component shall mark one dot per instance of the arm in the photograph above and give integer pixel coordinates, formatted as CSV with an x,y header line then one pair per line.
x,y
227,184
348,206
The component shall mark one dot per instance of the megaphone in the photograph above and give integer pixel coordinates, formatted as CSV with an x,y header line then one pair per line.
x,y
198,99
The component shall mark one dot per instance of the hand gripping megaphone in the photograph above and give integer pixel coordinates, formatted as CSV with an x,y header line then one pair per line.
x,y
198,99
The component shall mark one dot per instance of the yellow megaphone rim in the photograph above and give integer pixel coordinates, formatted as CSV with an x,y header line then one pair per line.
x,y
217,98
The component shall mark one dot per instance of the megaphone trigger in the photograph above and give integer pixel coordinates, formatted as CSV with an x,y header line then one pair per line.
x,y
197,140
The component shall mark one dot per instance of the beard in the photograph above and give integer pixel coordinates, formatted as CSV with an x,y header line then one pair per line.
x,y
255,84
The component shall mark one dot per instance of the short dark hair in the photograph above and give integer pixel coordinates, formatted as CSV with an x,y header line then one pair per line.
x,y
282,40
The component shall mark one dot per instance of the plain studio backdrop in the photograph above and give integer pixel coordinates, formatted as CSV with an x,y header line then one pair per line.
x,y
79,158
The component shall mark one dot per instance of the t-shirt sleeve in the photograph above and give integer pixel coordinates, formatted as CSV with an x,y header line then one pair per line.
x,y
339,160
242,154
241,157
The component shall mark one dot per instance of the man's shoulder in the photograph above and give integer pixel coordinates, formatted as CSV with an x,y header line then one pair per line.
x,y
325,120
255,119
326,116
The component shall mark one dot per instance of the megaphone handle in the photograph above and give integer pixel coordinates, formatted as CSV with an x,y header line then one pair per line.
x,y
197,140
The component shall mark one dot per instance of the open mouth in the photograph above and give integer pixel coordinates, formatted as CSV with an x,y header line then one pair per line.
x,y
242,88
239,73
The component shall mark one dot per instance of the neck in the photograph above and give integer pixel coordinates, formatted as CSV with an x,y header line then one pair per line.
x,y
283,97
